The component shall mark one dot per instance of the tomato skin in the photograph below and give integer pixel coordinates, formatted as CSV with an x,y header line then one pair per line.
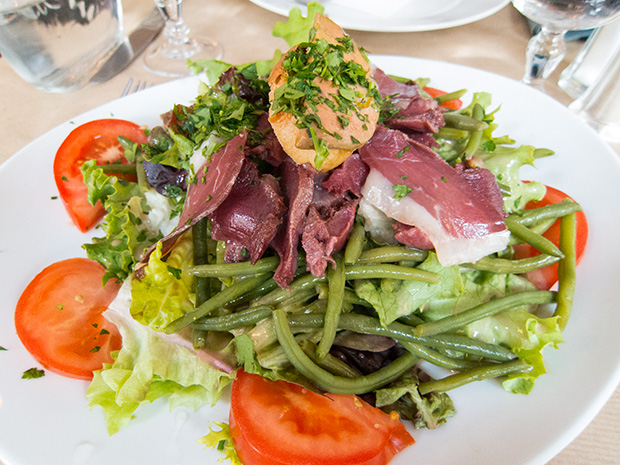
x,y
280,423
450,104
93,140
59,318
545,278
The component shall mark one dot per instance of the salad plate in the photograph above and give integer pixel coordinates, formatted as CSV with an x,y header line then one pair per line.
x,y
395,15
46,420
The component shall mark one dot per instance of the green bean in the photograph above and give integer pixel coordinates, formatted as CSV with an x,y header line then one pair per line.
x,y
451,133
225,295
203,285
548,212
456,120
393,253
255,294
390,271
235,320
484,310
538,228
303,282
199,338
474,374
335,299
228,270
355,244
505,266
462,343
118,168
434,357
220,252
403,333
567,269
455,95
326,380
540,243
411,320
476,136
330,363
350,297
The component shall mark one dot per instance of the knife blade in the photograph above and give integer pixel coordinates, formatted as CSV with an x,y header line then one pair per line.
x,y
131,47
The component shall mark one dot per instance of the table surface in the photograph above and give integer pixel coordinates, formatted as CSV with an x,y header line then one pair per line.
x,y
495,44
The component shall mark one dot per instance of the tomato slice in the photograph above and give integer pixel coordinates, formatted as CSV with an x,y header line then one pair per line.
x,y
450,104
59,318
280,423
545,278
94,140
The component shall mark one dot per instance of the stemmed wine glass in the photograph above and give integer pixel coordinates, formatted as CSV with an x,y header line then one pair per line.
x,y
547,48
170,57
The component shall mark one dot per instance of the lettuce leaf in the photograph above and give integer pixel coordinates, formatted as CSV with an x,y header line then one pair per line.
x,y
424,411
297,29
150,366
221,440
165,291
505,163
394,299
520,329
128,231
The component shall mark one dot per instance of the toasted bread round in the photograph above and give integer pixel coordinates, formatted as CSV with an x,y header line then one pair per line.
x,y
342,132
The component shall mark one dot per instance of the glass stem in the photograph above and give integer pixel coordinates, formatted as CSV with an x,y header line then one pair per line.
x,y
175,30
544,52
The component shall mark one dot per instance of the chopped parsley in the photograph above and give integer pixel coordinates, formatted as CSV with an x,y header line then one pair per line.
x,y
401,191
401,153
33,373
95,349
2,348
301,96
176,272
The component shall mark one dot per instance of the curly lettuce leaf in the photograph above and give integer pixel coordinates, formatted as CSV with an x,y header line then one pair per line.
x,y
297,29
126,225
505,163
394,299
221,440
520,329
150,366
165,291
424,411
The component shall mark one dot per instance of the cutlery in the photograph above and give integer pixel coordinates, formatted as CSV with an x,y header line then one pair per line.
x,y
131,47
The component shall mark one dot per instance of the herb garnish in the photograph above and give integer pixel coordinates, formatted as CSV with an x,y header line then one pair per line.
x,y
401,191
33,373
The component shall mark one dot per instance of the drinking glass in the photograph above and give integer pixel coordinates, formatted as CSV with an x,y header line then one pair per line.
x,y
55,45
170,57
547,48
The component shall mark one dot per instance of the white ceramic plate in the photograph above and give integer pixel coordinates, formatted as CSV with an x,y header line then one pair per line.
x,y
46,420
395,15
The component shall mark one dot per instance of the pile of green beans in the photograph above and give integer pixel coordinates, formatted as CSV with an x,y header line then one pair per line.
x,y
237,296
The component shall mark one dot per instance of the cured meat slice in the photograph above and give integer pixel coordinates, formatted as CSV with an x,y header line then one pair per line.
x,y
213,182
297,184
413,185
250,216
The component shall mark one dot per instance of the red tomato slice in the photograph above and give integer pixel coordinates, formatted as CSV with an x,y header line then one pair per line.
x,y
545,278
58,318
279,423
450,104
94,140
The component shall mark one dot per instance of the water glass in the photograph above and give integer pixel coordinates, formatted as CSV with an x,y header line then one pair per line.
x,y
58,45
599,105
598,50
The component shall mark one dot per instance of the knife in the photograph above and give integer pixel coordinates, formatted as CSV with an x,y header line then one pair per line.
x,y
131,47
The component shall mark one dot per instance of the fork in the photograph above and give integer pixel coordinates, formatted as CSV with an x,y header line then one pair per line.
x,y
131,89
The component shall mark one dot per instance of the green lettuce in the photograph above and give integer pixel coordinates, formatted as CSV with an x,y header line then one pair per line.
x,y
127,229
519,329
424,411
150,366
394,299
297,29
221,440
166,290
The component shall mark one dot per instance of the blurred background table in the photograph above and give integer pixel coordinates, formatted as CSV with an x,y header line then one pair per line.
x,y
495,44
